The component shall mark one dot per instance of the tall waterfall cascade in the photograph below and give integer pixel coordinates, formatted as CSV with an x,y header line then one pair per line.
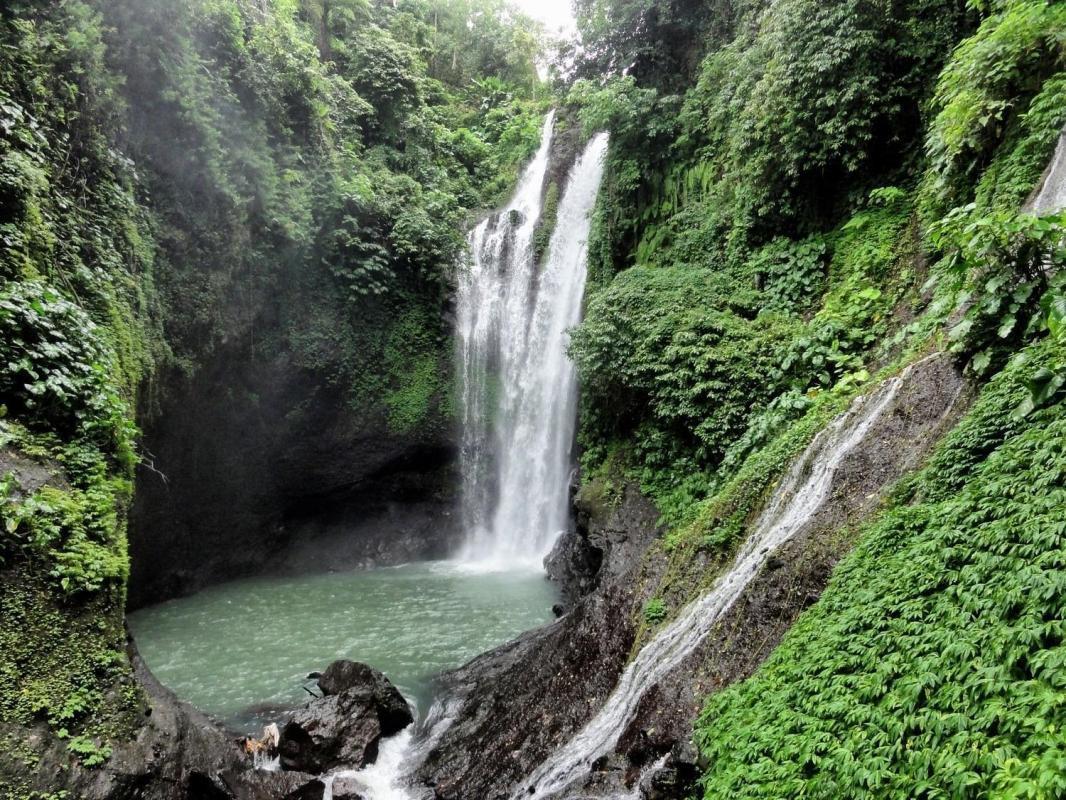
x,y
798,497
518,388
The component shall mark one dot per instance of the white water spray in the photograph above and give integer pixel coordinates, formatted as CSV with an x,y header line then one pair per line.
x,y
388,777
799,496
518,387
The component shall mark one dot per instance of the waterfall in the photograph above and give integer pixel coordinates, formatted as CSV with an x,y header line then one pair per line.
x,y
1052,195
518,391
798,497
518,388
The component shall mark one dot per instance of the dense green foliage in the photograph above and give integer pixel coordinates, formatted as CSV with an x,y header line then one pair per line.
x,y
290,177
787,189
933,665
839,187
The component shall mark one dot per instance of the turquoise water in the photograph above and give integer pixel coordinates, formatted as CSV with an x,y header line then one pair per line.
x,y
242,651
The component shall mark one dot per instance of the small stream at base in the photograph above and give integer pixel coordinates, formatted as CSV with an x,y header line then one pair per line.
x,y
241,651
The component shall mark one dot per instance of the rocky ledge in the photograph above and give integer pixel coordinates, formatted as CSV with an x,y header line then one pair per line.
x,y
181,754
343,728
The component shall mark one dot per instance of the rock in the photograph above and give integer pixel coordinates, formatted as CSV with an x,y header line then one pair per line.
x,y
573,565
343,677
176,753
329,733
676,778
347,789
260,785
344,727
663,784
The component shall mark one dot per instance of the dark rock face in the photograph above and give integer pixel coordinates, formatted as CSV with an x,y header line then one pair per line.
x,y
574,565
521,702
344,728
270,470
178,754
347,789
271,786
527,698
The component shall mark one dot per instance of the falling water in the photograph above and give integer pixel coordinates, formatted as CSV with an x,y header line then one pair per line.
x,y
1052,195
388,777
799,496
518,387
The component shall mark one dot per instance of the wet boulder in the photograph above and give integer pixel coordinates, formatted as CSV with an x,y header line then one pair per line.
x,y
358,680
344,727
675,777
260,785
347,789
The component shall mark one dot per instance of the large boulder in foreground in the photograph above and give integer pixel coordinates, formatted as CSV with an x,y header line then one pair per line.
x,y
345,726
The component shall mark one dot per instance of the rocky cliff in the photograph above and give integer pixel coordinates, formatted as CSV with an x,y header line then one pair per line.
x,y
526,700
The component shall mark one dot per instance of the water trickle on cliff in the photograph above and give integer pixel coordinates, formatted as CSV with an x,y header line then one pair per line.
x,y
518,388
796,500
1052,195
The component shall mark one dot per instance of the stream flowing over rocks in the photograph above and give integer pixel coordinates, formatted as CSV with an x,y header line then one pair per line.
x,y
522,704
344,727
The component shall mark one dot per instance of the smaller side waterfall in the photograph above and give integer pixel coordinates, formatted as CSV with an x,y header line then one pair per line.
x,y
518,386
799,496
1052,195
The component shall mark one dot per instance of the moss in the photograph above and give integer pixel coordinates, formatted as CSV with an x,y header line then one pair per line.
x,y
414,362
549,218
63,568
410,402
602,486
64,661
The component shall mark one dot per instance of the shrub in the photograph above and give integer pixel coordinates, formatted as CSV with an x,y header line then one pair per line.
x,y
55,369
655,611
666,361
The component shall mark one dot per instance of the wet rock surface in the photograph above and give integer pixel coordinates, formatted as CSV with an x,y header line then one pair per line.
x,y
526,699
347,789
177,754
254,467
574,566
272,786
344,727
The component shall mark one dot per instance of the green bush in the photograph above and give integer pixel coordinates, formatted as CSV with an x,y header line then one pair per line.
x,y
663,359
56,371
791,273
655,611
1007,258
984,92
